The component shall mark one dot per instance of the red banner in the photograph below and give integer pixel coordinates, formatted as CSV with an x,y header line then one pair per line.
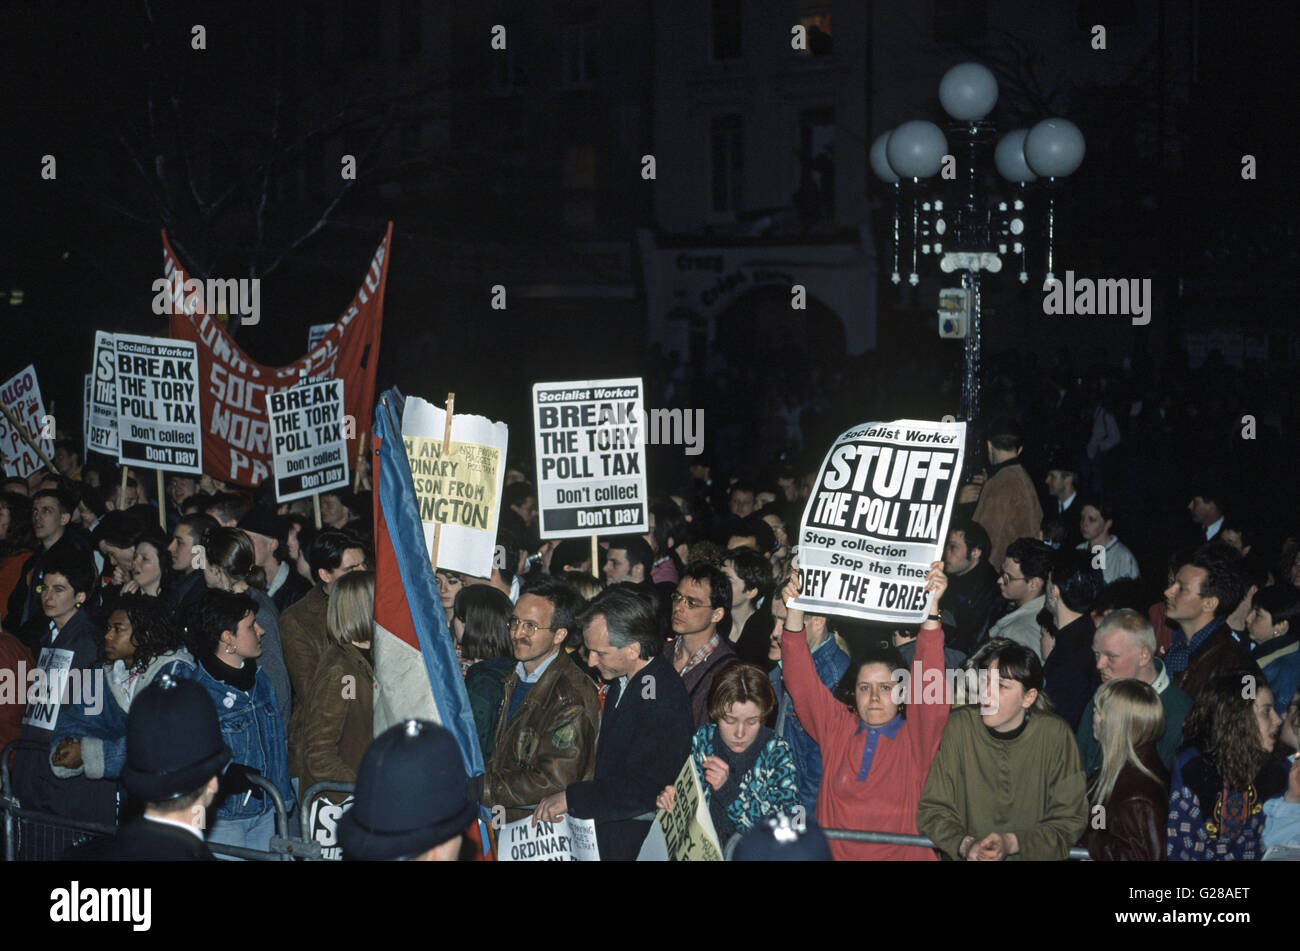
x,y
233,388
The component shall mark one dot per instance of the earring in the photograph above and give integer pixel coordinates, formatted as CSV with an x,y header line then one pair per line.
x,y
77,605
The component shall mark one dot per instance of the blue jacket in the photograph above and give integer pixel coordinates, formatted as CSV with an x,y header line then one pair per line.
x,y
252,727
103,731
1279,659
1281,822
830,663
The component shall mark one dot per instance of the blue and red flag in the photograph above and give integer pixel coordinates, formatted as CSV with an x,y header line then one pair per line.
x,y
415,659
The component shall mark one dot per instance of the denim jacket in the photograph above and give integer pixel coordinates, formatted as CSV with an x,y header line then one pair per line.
x,y
830,663
253,729
103,731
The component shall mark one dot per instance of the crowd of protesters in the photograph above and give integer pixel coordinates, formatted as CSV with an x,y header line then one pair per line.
x,y
1136,698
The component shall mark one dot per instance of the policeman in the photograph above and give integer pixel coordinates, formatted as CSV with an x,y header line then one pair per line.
x,y
174,754
784,839
412,800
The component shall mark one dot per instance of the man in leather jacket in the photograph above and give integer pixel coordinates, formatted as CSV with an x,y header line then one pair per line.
x,y
550,715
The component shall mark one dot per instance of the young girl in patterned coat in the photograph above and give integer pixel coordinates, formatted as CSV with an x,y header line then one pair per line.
x,y
748,770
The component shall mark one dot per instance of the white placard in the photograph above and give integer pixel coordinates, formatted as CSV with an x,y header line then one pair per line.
x,y
877,517
462,492
568,839
309,450
158,403
591,464
103,397
21,394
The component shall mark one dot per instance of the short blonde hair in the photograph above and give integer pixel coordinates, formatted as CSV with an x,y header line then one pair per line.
x,y
1133,624
350,617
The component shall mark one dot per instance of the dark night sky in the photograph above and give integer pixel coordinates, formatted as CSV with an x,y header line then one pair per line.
x,y
84,248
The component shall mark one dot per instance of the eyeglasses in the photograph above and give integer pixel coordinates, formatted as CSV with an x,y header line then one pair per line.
x,y
529,627
1009,578
693,603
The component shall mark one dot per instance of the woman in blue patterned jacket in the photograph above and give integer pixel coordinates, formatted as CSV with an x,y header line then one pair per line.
x,y
748,770
1226,771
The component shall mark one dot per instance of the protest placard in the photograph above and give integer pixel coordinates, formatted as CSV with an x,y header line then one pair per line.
x,y
21,395
158,403
568,839
590,440
308,442
462,490
103,397
315,334
57,664
686,830
877,516
324,825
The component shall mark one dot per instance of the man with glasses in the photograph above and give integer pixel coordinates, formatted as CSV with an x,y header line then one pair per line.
x,y
1023,582
546,731
701,608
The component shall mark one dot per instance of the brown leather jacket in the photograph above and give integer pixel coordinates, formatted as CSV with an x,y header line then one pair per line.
x,y
1008,509
549,744
1221,652
303,640
338,718
1135,815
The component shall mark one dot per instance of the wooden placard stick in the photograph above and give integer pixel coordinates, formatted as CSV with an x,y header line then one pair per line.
x,y
595,558
361,457
162,503
28,439
446,447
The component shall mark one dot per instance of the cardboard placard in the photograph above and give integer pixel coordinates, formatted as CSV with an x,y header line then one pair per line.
x,y
21,394
877,517
103,397
591,463
568,839
158,403
309,447
462,491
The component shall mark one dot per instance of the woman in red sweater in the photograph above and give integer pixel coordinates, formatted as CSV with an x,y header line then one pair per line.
x,y
875,761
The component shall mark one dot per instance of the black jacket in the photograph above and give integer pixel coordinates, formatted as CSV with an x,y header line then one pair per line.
x,y
294,587
971,602
94,800
1070,671
142,840
643,743
26,617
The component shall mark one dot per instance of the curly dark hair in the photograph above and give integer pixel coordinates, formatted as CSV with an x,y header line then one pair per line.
x,y
159,542
153,630
1223,727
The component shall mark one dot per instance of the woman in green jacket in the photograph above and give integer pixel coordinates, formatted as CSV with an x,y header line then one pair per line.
x,y
1007,781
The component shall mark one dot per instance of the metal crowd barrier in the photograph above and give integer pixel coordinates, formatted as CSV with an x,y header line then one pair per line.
x,y
882,838
307,840
43,836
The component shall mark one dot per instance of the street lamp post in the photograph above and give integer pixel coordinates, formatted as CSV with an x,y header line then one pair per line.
x,y
976,233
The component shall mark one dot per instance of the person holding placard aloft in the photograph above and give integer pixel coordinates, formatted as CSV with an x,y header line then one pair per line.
x,y
876,754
